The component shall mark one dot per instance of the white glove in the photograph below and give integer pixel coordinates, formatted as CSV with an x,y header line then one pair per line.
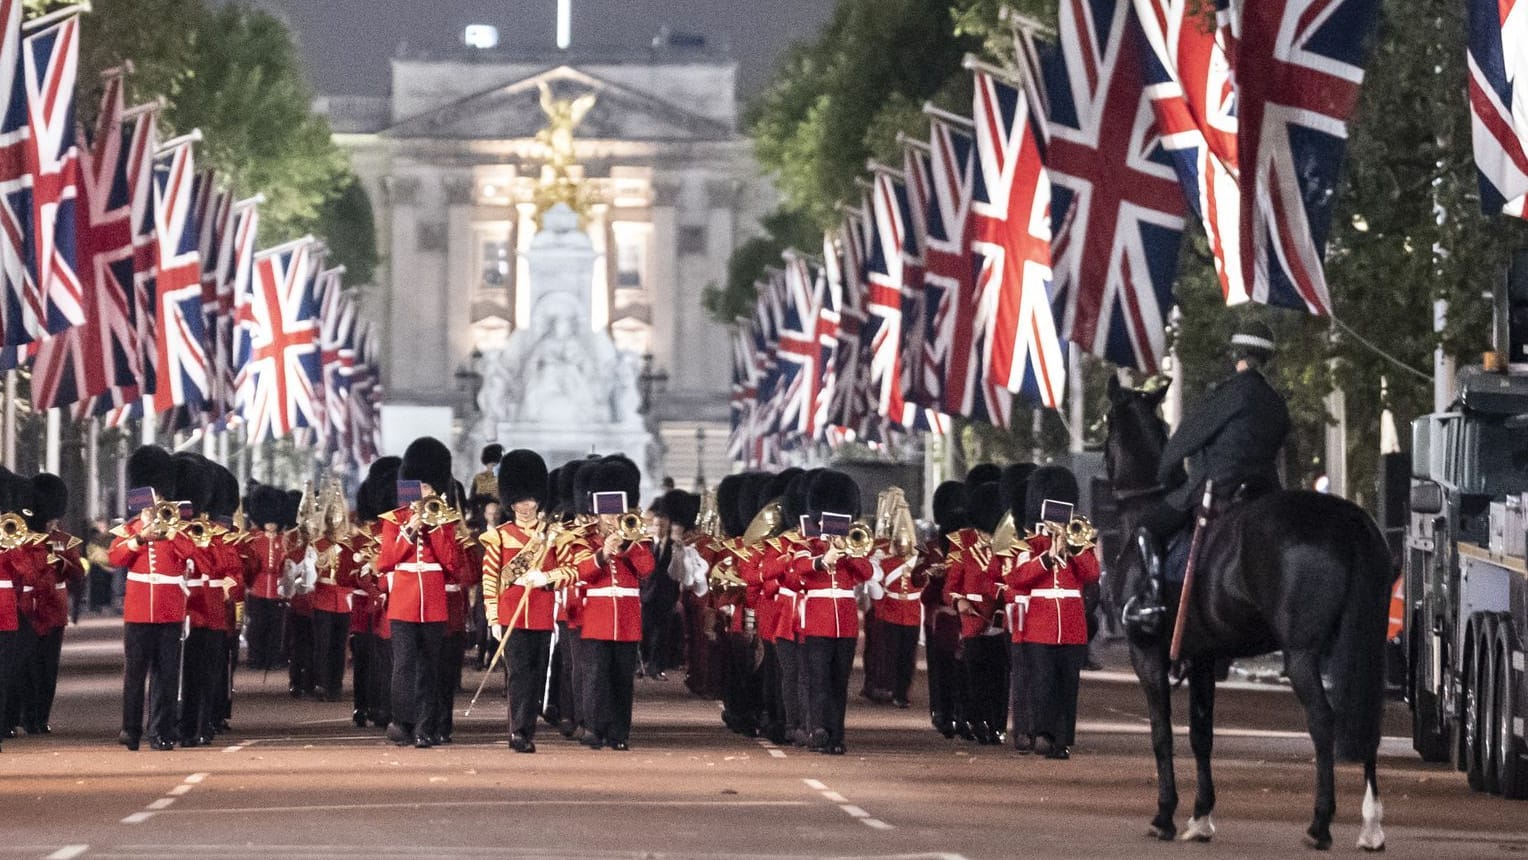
x,y
535,579
872,590
498,631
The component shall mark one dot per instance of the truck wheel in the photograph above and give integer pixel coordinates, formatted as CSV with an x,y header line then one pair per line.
x,y
1513,767
1427,735
1490,748
1469,720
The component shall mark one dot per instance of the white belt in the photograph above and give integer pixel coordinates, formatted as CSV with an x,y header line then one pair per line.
x,y
836,593
975,598
898,595
27,589
6,583
613,591
1055,593
196,583
418,567
786,592
358,592
60,586
156,578
453,588
327,580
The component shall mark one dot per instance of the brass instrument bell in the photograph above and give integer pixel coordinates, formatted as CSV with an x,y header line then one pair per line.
x,y
434,512
630,527
14,531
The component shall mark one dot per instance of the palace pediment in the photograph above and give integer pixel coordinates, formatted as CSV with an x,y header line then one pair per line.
x,y
512,111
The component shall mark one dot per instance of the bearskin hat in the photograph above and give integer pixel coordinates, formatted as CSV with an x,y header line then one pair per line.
x,y
15,492
581,485
985,506
681,507
1049,482
1013,483
50,499
795,506
152,466
553,491
378,493
225,492
727,491
522,475
617,474
491,455
266,505
833,492
748,504
289,508
950,500
193,481
983,473
427,459
778,484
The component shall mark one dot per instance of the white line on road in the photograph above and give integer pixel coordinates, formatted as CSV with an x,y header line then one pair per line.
x,y
348,807
162,803
856,812
138,818
814,784
853,810
195,778
835,797
68,852
875,824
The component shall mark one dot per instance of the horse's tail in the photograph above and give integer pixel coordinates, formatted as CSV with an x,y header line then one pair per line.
x,y
1358,657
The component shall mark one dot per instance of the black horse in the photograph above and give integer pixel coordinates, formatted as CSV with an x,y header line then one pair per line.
x,y
1296,571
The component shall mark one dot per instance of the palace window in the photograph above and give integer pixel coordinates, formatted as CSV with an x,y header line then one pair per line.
x,y
495,264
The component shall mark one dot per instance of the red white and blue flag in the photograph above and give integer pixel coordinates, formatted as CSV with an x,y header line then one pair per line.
x,y
888,278
1189,82
179,376
744,391
1015,332
336,348
1299,65
828,289
236,266
1498,59
796,352
365,398
917,323
50,64
847,409
277,355
87,361
1117,210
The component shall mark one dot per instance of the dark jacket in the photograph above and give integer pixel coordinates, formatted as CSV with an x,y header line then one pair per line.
x,y
1233,437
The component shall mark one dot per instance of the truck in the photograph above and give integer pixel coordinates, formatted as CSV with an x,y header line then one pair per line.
x,y
1466,580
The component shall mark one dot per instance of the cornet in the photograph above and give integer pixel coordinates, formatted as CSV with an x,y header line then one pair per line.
x,y
14,532
630,527
434,512
858,542
165,517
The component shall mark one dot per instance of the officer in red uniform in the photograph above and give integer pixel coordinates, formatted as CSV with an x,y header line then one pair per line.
x,y
158,559
900,613
941,625
415,561
1055,637
264,607
612,574
973,592
524,609
332,597
203,646
49,605
828,579
21,565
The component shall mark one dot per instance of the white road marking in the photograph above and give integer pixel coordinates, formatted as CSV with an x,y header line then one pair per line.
x,y
835,797
162,803
195,778
777,753
875,824
68,852
858,813
347,807
853,810
138,818
240,745
814,784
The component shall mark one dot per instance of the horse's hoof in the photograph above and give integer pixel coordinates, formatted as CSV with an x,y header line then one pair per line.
x,y
1198,830
1319,843
1165,834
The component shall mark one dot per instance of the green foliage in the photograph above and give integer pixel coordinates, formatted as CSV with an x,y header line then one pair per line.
x,y
234,73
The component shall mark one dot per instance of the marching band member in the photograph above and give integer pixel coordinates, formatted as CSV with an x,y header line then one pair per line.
x,y
158,557
202,647
612,571
1055,637
264,609
226,592
517,596
1014,485
900,610
49,606
970,588
453,646
779,556
22,563
299,577
415,559
377,495
828,577
741,691
576,704
332,594
941,624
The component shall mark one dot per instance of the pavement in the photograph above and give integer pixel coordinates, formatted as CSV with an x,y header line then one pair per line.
x,y
296,779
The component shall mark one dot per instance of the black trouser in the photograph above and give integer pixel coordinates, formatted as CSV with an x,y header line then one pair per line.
x,y
1019,697
985,659
99,587
942,686
263,631
874,657
1053,672
416,660
565,673
585,689
901,651
42,679
199,681
740,685
379,672
153,655
329,632
793,683
361,645
228,661
448,679
1163,521
828,663
771,706
656,613
8,667
526,656
19,685
612,667
299,650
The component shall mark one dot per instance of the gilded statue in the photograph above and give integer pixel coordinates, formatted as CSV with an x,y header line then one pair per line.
x,y
558,185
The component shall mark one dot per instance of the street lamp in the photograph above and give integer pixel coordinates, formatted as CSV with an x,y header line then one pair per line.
x,y
650,382
700,459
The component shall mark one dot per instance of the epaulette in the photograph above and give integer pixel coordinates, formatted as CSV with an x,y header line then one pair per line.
x,y
390,516
120,530
490,537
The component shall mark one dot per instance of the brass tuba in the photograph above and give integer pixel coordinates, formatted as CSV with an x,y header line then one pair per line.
x,y
768,522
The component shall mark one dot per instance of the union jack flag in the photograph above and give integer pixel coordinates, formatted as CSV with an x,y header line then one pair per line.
x,y
1117,211
888,277
21,310
365,399
278,355
1299,65
1015,333
916,310
214,211
826,297
336,332
88,360
847,408
1189,82
180,334
236,266
1498,59
744,391
50,63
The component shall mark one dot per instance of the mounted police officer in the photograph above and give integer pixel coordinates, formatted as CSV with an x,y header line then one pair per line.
x,y
1232,437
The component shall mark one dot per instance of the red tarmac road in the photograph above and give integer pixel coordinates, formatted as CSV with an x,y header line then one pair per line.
x,y
297,779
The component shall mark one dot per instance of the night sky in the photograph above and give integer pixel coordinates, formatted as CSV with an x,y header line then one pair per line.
x,y
347,43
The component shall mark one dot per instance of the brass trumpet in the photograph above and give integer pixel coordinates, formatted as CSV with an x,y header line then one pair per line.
x,y
858,542
434,512
201,531
1081,535
630,527
165,517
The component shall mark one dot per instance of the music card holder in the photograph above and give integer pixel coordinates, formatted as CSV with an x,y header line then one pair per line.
x,y
835,525
1052,511
610,503
409,492
139,498
809,527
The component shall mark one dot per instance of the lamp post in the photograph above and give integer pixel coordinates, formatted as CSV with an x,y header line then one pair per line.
x,y
700,459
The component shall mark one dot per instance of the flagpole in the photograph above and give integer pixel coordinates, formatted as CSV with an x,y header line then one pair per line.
x,y
44,20
943,115
52,442
92,469
1076,412
9,429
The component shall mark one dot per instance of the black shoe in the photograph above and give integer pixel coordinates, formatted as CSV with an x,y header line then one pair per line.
x,y
9,733
128,740
836,749
1044,745
1024,744
359,718
517,742
659,675
566,728
440,739
901,704
620,746
592,741
191,742
223,725
641,673
161,744
817,742
1059,752
397,734
423,742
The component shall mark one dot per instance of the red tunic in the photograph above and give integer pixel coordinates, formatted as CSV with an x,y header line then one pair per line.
x,y
967,577
415,568
902,604
156,575
268,551
503,599
49,604
19,568
336,576
1056,615
831,609
612,593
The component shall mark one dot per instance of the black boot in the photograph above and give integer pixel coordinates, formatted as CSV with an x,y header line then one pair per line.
x,y
1145,612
